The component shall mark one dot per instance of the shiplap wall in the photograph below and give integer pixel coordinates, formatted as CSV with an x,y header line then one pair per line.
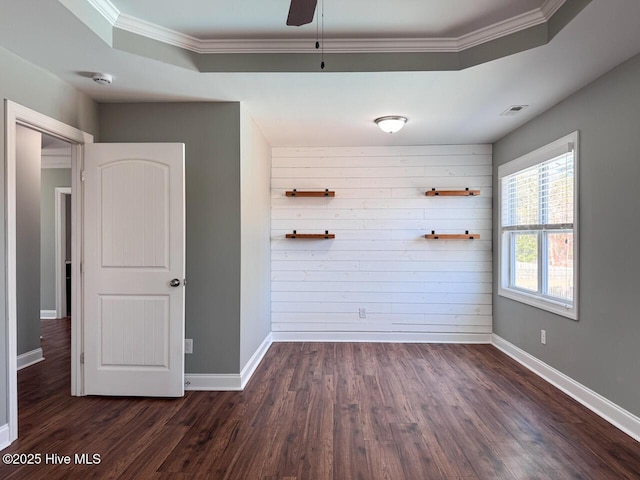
x,y
411,288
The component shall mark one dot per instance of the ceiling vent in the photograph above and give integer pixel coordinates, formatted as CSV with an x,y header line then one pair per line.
x,y
513,110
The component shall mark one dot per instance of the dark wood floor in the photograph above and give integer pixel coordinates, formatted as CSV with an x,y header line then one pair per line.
x,y
319,411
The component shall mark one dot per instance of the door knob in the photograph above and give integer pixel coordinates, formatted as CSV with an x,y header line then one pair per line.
x,y
175,282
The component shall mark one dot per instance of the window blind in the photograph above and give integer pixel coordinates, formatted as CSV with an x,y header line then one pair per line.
x,y
540,197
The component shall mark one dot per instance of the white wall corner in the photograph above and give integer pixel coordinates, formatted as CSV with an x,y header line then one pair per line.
x,y
30,358
48,315
254,361
224,382
5,438
605,408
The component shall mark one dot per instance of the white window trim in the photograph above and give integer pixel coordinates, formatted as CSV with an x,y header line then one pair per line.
x,y
535,300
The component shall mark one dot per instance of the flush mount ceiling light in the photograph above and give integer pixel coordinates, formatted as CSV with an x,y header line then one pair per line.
x,y
102,78
391,124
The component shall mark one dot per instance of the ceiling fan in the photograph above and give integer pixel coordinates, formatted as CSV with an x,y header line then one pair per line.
x,y
301,12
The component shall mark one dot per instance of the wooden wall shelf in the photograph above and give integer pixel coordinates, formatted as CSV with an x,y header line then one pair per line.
x,y
452,193
310,193
452,236
312,236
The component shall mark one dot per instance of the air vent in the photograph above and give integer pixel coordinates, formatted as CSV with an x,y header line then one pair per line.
x,y
513,110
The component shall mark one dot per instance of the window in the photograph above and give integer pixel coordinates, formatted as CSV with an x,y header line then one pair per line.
x,y
538,227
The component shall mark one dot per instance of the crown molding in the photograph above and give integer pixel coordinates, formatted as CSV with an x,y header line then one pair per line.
x,y
156,32
511,25
282,45
363,45
334,45
501,29
107,9
550,7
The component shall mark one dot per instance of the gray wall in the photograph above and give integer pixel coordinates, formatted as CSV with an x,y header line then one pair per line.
x,y
28,232
51,178
255,188
211,134
32,87
601,349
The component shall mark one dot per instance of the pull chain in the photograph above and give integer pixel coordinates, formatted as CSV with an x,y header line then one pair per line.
x,y
322,37
317,30
320,32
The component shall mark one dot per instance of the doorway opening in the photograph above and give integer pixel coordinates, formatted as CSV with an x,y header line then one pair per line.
x,y
19,116
55,234
43,228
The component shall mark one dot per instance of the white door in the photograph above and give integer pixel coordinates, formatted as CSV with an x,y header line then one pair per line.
x,y
134,256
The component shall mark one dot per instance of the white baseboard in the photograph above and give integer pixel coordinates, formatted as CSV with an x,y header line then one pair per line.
x,y
48,314
381,337
227,381
612,413
254,361
27,359
5,440
212,382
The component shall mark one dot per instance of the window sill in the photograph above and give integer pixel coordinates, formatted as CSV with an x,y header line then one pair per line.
x,y
542,303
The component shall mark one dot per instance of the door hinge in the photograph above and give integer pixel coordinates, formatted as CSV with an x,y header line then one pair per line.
x,y
81,268
82,358
82,175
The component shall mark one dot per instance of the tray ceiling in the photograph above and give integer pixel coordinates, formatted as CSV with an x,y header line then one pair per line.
x,y
228,26
219,19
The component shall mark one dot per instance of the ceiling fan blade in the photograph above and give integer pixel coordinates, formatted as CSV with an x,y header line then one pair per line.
x,y
301,12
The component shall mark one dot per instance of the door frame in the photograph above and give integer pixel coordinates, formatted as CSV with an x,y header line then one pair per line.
x,y
61,239
15,115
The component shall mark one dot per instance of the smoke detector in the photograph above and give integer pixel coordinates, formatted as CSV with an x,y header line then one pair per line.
x,y
102,78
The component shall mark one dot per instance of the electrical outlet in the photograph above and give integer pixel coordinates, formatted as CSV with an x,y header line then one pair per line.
x,y
188,345
543,337
362,313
